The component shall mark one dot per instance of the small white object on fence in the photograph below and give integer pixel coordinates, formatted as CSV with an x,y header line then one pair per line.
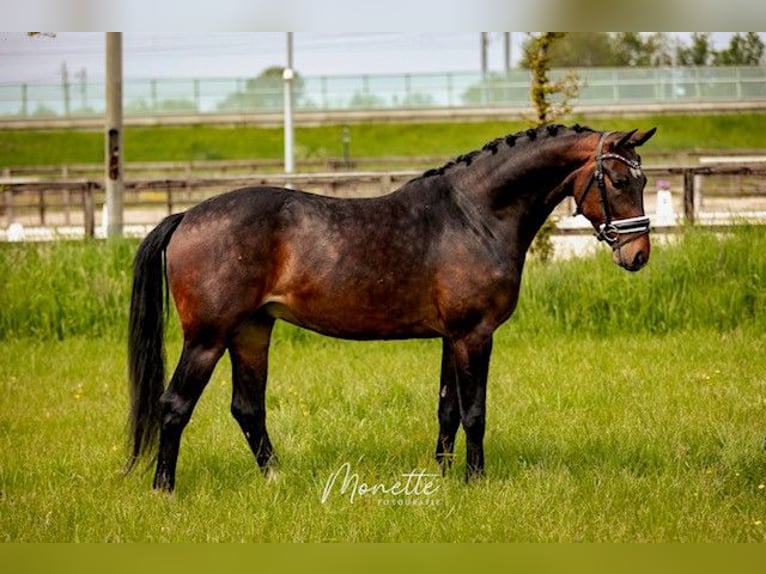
x,y
16,232
101,232
666,215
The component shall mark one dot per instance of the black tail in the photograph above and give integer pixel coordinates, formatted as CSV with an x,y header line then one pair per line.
x,y
146,353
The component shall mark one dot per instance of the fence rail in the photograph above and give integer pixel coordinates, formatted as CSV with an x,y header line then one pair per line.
x,y
206,168
76,203
237,96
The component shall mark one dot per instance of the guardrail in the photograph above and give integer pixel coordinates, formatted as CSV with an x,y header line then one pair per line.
x,y
74,204
409,93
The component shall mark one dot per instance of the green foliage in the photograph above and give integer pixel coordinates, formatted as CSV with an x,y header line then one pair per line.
x,y
366,101
700,53
571,50
265,92
492,90
744,50
594,49
58,290
703,281
542,249
169,106
550,99
603,49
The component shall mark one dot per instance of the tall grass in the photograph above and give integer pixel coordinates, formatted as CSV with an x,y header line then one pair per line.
x,y
57,290
704,280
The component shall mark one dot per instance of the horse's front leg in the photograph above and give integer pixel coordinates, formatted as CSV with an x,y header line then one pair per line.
x,y
449,409
471,356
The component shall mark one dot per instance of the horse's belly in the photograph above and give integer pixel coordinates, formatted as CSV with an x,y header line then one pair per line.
x,y
336,319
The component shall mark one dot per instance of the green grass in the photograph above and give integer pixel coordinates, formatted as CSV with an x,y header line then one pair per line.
x,y
621,407
59,290
705,281
676,133
648,438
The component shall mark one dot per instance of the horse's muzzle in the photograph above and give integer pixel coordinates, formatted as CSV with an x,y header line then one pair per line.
x,y
632,255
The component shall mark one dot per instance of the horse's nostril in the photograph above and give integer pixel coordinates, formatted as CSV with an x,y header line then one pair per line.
x,y
639,260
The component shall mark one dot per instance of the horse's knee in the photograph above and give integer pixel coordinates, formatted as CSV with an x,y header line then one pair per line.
x,y
474,423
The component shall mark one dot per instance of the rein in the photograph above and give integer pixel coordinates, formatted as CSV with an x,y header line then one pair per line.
x,y
611,229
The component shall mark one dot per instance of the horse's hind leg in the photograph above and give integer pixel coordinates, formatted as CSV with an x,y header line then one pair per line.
x,y
249,350
194,369
449,409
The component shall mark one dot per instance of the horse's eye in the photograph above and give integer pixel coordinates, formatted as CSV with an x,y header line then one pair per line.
x,y
620,182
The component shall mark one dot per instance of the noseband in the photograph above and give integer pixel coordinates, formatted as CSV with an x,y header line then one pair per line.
x,y
611,229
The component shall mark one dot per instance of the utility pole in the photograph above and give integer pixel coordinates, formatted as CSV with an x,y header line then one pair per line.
x,y
507,51
288,75
113,131
484,45
65,89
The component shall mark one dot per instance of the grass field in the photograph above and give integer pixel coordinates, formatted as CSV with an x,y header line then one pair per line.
x,y
621,439
676,133
621,407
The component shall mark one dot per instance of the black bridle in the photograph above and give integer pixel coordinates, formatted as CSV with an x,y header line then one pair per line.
x,y
611,229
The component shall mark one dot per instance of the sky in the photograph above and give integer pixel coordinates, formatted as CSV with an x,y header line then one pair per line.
x,y
246,54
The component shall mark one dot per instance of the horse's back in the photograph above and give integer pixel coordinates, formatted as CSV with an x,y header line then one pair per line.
x,y
346,267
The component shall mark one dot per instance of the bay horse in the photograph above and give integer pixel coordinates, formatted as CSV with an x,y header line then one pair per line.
x,y
442,256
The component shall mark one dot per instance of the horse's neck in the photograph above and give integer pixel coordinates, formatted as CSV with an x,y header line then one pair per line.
x,y
521,188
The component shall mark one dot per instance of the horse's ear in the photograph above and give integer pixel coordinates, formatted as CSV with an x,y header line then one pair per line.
x,y
625,139
636,138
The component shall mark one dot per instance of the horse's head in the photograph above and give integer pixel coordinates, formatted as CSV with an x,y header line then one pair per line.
x,y
610,193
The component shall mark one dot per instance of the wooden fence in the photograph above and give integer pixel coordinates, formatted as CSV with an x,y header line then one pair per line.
x,y
77,201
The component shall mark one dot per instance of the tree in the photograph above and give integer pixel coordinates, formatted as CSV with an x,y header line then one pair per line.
x,y
744,50
601,49
700,53
539,57
574,50
538,54
263,92
659,46
634,49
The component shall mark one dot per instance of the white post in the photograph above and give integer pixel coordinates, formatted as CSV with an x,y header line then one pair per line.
x,y
113,134
288,107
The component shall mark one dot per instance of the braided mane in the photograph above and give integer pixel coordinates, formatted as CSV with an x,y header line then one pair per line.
x,y
523,137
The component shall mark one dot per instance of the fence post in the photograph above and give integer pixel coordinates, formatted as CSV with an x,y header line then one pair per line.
x,y
689,207
41,205
8,197
67,199
89,215
169,195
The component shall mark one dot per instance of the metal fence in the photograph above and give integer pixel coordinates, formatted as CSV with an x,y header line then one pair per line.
x,y
599,86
